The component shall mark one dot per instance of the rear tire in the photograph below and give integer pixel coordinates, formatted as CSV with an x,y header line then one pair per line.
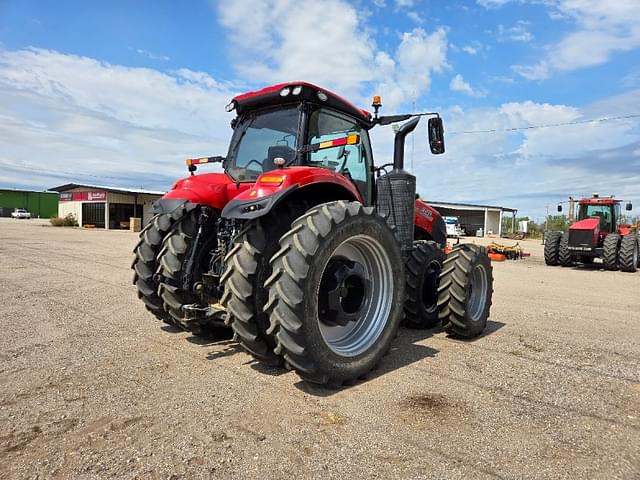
x,y
423,272
465,291
552,248
145,265
610,249
564,254
336,293
244,292
628,254
176,249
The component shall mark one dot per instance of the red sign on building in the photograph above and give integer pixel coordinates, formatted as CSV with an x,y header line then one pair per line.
x,y
83,196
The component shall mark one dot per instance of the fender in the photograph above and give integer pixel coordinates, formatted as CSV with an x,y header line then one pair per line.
x,y
212,189
428,220
273,187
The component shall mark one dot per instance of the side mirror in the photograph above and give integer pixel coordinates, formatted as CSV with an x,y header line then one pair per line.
x,y
559,208
436,135
628,207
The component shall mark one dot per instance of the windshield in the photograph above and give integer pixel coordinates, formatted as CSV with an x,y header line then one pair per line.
x,y
258,139
602,212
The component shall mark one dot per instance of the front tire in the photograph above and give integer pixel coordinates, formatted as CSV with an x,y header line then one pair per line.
x,y
466,288
610,249
564,254
552,248
336,293
423,277
628,255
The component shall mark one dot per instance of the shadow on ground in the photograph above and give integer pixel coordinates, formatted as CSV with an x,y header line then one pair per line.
x,y
404,351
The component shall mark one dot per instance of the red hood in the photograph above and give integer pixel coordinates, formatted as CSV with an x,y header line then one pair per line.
x,y
586,224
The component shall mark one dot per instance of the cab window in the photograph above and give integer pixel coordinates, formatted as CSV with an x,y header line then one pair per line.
x,y
351,160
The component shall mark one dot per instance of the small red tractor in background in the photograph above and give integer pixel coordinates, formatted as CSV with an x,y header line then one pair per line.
x,y
310,252
598,233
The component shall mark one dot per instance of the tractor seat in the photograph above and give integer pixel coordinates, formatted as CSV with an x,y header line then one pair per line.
x,y
275,151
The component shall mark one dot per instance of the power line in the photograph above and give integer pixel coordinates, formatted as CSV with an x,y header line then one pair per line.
x,y
550,125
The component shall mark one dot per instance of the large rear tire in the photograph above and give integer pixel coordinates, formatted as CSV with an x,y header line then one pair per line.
x,y
423,277
552,248
610,249
628,255
176,250
336,293
465,291
145,265
564,254
247,268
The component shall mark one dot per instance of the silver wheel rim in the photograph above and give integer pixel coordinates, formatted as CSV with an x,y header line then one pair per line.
x,y
477,292
357,336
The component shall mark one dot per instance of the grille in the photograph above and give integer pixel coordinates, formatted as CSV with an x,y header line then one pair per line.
x,y
580,238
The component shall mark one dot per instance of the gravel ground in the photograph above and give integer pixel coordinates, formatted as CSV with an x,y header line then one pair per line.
x,y
92,386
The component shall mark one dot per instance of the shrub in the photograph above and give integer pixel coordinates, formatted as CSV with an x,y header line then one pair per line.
x,y
68,221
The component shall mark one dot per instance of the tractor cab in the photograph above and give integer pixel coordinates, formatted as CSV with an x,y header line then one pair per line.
x,y
297,124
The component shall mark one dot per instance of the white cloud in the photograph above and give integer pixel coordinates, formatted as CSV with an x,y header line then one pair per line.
x,y
603,29
415,16
517,33
458,84
83,118
322,42
150,55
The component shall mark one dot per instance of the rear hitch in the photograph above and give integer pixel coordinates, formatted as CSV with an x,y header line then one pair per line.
x,y
199,313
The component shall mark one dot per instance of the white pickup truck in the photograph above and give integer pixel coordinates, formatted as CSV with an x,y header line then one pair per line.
x,y
20,213
453,227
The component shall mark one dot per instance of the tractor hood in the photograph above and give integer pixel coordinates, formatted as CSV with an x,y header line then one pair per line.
x,y
586,224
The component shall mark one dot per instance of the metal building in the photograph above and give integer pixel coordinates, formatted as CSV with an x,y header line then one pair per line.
x,y
39,204
472,217
105,207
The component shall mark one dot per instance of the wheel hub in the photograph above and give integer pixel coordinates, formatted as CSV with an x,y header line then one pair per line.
x,y
343,291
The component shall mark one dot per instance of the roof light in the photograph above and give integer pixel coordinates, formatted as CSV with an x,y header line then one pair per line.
x,y
322,96
285,91
296,90
231,106
377,101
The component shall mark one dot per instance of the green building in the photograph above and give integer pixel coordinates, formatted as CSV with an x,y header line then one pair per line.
x,y
40,204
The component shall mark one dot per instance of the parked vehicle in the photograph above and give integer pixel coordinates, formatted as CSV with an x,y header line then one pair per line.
x,y
453,227
301,244
598,233
20,213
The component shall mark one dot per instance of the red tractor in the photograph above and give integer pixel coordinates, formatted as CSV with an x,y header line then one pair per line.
x,y
310,253
598,233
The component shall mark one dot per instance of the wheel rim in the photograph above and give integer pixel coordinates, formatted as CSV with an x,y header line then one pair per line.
x,y
430,283
477,292
355,296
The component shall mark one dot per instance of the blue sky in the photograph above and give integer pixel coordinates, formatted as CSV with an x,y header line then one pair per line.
x,y
120,92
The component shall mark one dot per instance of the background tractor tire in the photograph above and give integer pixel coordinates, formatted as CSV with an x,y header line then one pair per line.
x,y
175,251
423,273
247,268
628,254
336,293
610,249
564,254
552,248
145,265
465,291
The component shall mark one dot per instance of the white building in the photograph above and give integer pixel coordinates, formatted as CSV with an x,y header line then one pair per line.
x,y
105,207
475,217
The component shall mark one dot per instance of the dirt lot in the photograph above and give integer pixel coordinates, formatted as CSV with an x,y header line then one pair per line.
x,y
92,386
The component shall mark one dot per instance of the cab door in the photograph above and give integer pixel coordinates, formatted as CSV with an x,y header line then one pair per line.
x,y
353,161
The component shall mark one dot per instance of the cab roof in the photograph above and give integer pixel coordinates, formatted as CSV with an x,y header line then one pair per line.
x,y
599,201
283,93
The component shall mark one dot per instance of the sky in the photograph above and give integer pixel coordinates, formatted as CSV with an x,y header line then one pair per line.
x,y
540,99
